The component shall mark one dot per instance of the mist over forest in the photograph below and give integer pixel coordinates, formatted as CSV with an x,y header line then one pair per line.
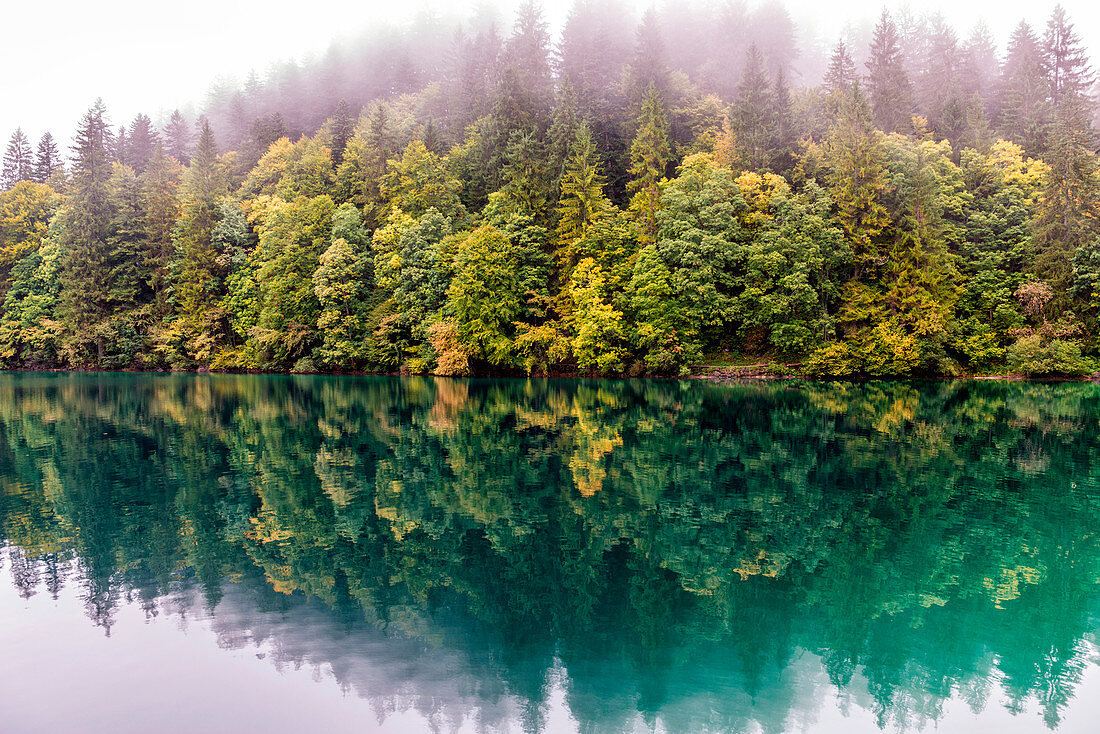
x,y
639,194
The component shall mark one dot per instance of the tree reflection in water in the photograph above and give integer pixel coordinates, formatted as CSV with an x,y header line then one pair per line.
x,y
671,549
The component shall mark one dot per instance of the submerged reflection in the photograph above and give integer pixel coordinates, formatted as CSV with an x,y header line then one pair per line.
x,y
706,557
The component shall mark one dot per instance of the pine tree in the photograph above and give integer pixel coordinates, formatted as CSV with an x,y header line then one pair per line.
x,y
888,83
1068,218
177,138
343,127
528,53
1023,102
582,200
1069,75
161,210
857,180
650,156
841,75
751,117
784,133
47,163
196,269
649,66
142,142
87,257
120,145
18,161
564,125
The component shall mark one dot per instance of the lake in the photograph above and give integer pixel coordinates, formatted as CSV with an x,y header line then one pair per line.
x,y
281,553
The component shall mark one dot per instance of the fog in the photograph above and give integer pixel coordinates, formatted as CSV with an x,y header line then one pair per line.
x,y
153,57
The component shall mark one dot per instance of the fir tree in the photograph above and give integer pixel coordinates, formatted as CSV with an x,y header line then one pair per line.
x,y
177,138
18,161
888,84
841,75
1023,102
752,121
142,142
48,163
582,200
87,258
650,156
343,127
1069,75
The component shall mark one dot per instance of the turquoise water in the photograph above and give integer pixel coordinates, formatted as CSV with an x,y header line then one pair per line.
x,y
243,553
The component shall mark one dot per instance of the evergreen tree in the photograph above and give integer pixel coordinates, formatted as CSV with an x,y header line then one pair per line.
x,y
1068,218
650,156
18,161
87,284
751,118
48,163
887,81
177,138
142,141
1023,103
343,127
528,53
784,131
857,180
161,210
582,200
195,268
1069,75
841,75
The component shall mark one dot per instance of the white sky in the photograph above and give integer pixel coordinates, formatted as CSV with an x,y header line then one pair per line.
x,y
152,56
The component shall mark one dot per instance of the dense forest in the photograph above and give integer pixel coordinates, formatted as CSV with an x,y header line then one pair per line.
x,y
634,196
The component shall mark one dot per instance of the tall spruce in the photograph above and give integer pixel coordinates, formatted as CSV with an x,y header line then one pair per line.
x,y
47,162
1023,104
142,140
887,81
177,138
650,156
841,75
196,268
751,118
86,288
18,161
1069,75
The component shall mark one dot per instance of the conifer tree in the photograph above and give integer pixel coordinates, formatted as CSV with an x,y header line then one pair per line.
x,y
857,180
1069,75
196,269
564,125
87,258
47,163
142,142
888,82
1023,102
528,53
784,133
752,113
582,200
841,75
177,138
160,184
650,156
343,127
18,161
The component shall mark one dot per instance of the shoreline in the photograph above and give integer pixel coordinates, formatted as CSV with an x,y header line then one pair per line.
x,y
718,374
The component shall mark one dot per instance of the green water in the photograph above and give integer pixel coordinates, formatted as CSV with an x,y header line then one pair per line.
x,y
436,555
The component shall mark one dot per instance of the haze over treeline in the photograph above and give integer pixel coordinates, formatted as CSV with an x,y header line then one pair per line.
x,y
642,195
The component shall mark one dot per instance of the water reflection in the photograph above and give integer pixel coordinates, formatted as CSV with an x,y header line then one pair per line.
x,y
676,554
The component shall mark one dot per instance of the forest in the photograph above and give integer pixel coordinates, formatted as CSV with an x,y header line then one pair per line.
x,y
631,196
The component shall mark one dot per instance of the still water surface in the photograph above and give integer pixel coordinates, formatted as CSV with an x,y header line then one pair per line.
x,y
242,553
